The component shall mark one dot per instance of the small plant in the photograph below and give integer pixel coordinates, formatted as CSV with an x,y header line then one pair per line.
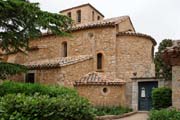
x,y
164,114
100,111
161,98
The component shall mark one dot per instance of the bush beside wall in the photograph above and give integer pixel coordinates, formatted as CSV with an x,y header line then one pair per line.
x,y
164,114
43,107
29,89
19,101
161,98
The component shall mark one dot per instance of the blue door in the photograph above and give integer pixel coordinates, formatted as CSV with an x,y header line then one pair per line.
x,y
145,100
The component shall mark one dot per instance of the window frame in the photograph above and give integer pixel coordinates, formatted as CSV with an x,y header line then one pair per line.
x,y
64,49
69,14
30,72
78,13
100,61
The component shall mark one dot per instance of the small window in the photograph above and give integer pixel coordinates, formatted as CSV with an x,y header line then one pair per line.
x,y
64,49
92,15
79,16
30,78
99,61
98,18
69,14
152,53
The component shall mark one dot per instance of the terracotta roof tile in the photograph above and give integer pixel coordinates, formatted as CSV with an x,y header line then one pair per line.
x,y
57,62
96,78
137,34
100,23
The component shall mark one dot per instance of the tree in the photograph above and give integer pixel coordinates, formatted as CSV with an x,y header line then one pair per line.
x,y
160,67
21,21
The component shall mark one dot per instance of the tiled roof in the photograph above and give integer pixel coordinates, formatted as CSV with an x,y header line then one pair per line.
x,y
96,78
100,23
56,62
137,34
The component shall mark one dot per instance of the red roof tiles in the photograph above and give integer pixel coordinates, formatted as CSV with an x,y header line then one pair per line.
x,y
96,78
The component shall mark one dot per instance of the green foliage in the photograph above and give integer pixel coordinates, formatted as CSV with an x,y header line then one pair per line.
x,y
159,63
43,107
21,20
100,111
10,69
164,114
161,97
30,89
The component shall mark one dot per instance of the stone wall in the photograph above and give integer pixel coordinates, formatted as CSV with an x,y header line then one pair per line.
x,y
86,42
60,76
114,96
86,14
134,55
176,86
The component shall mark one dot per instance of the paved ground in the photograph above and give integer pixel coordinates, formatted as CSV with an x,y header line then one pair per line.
x,y
137,116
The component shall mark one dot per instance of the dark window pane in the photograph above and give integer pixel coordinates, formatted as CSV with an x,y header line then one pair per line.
x,y
78,16
30,78
64,50
69,14
92,15
99,61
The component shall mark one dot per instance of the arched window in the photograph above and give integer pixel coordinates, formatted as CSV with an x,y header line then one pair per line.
x,y
64,49
79,16
92,15
99,61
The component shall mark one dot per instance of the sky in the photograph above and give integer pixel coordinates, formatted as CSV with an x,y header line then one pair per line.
x,y
158,18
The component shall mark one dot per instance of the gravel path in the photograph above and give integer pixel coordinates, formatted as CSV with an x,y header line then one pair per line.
x,y
137,116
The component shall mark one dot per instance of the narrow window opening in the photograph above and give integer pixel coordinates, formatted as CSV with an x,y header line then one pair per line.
x,y
92,15
99,61
64,49
69,14
30,78
98,18
79,16
152,53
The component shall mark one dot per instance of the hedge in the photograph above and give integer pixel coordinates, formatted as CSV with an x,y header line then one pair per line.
x,y
43,107
164,114
8,87
102,110
161,97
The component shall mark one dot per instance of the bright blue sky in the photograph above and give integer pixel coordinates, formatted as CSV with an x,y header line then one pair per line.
x,y
158,18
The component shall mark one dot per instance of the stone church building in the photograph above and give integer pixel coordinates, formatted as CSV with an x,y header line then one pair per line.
x,y
106,60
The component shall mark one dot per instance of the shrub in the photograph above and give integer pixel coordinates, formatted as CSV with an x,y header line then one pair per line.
x,y
29,89
100,111
43,107
164,114
161,98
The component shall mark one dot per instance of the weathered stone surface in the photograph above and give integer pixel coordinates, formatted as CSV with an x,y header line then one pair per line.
x,y
176,86
114,96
